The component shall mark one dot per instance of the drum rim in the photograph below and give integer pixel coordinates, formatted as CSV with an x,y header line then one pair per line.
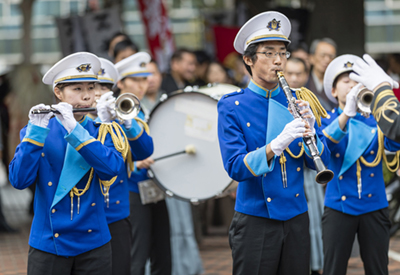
x,y
173,94
198,200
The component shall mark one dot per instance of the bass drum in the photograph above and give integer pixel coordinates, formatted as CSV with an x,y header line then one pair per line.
x,y
187,118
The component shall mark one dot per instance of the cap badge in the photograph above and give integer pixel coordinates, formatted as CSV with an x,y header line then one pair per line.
x,y
274,25
84,68
348,64
142,65
101,72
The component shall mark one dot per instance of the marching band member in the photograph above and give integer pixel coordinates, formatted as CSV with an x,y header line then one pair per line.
x,y
260,143
385,106
70,158
141,147
150,222
355,200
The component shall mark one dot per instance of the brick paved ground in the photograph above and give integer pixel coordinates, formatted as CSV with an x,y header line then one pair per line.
x,y
214,249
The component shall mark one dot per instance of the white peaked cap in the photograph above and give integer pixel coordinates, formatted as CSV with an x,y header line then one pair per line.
x,y
339,65
266,26
76,67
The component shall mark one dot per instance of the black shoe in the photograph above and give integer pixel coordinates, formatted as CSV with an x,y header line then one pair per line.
x,y
315,272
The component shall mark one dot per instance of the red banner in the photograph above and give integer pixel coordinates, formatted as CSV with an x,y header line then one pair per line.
x,y
158,31
224,37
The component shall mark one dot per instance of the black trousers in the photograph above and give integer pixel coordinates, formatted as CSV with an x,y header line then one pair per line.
x,y
93,262
121,240
265,246
339,231
150,237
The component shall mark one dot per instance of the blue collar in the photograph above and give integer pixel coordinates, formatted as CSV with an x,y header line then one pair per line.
x,y
254,87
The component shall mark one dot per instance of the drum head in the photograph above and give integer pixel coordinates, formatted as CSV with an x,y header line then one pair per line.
x,y
217,90
181,120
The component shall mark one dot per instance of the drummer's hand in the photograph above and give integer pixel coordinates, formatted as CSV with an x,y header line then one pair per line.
x,y
144,164
66,116
41,120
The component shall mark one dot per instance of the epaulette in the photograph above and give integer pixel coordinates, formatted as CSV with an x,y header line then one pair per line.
x,y
237,92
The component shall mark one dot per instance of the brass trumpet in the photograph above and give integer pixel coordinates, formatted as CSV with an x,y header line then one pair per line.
x,y
127,106
363,100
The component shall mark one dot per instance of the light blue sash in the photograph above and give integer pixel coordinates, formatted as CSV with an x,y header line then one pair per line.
x,y
360,137
75,167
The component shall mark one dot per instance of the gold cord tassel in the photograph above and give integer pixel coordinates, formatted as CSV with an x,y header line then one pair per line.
x,y
315,105
282,161
359,186
121,144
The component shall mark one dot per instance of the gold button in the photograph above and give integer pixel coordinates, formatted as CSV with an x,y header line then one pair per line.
x,y
50,183
343,198
42,154
297,195
333,110
341,177
298,169
93,204
56,235
369,195
269,199
328,116
372,152
117,202
53,211
237,102
373,131
299,144
248,124
90,230
257,148
121,181
372,175
337,155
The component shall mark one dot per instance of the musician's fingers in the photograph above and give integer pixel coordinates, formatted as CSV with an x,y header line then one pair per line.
x,y
305,111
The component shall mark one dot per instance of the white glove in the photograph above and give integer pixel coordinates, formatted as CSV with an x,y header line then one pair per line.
x,y
294,129
310,120
106,107
66,116
128,123
350,109
41,120
370,74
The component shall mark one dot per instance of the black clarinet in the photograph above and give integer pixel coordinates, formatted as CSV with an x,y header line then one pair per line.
x,y
324,175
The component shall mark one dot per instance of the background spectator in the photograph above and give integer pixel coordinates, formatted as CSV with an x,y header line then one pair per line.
x,y
182,73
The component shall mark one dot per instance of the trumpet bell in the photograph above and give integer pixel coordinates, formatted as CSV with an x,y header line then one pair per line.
x,y
364,100
127,106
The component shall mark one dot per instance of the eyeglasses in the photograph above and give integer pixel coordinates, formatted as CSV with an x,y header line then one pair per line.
x,y
273,55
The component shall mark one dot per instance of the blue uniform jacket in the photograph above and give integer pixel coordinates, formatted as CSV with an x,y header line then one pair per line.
x,y
360,138
141,147
137,175
57,161
247,121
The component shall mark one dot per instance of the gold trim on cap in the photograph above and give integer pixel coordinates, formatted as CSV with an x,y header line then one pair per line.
x,y
265,36
75,77
136,72
105,78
